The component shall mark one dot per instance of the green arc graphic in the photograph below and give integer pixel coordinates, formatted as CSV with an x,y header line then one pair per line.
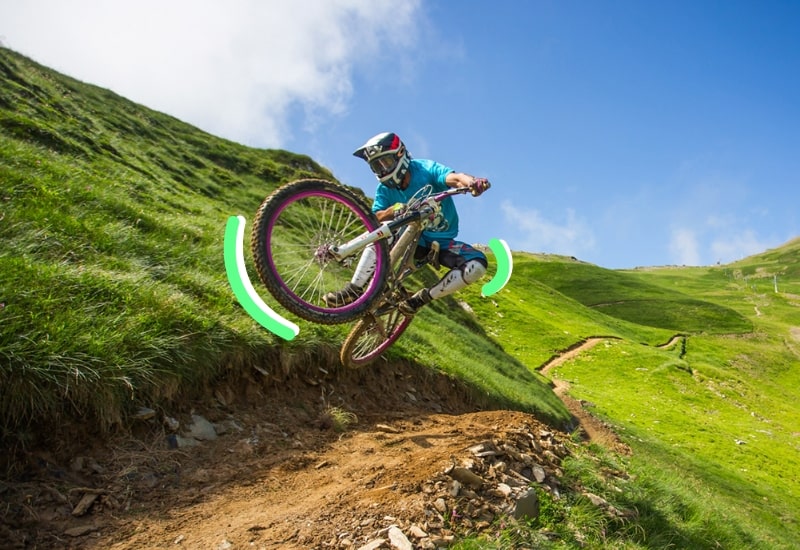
x,y
502,256
243,288
270,320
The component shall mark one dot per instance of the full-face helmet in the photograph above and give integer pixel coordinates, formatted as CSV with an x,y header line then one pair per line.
x,y
387,158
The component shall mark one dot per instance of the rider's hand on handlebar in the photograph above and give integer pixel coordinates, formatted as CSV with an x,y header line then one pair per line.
x,y
429,207
478,186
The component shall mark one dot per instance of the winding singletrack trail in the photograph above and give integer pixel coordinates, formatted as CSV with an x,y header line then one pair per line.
x,y
595,430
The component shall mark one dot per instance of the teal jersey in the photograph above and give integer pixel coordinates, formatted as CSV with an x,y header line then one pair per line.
x,y
423,173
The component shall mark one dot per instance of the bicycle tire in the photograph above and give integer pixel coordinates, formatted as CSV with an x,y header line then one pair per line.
x,y
291,230
371,336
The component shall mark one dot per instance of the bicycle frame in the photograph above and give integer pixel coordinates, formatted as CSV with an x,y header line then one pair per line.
x,y
401,255
386,229
302,255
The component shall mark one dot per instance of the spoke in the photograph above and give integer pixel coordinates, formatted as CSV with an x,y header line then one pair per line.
x,y
307,288
376,335
299,237
316,288
365,346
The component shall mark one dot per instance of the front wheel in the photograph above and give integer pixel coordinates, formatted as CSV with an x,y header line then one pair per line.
x,y
371,336
293,231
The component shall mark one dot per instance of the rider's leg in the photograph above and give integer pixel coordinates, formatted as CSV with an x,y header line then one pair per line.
x,y
468,266
458,278
364,271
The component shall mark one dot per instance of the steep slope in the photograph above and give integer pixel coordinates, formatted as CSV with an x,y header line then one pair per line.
x,y
116,320
279,479
113,284
114,291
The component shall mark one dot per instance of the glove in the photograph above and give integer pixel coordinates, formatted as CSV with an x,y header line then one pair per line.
x,y
478,186
428,208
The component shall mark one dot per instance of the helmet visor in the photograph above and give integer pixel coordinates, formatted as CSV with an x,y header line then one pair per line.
x,y
384,165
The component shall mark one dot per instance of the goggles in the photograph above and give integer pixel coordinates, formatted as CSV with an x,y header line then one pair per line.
x,y
384,165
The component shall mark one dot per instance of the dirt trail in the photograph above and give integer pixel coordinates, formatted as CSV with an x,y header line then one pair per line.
x,y
349,488
595,429
280,477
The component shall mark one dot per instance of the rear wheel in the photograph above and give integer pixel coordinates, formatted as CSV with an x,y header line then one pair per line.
x,y
372,336
293,231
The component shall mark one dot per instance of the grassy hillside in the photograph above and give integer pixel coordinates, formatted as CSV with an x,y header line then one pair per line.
x,y
113,296
712,420
111,272
113,284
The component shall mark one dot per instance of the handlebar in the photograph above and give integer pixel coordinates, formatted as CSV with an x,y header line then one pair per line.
x,y
425,207
456,191
449,192
439,197
417,211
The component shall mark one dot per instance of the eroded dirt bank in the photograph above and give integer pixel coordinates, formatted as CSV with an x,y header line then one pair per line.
x,y
279,475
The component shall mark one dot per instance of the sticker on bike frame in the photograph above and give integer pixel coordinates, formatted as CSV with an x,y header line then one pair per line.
x,y
243,288
502,256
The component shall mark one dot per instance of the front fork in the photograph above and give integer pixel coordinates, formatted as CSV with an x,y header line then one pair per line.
x,y
401,260
342,251
401,255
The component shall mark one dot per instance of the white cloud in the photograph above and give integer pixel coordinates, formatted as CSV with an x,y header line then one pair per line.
x,y
735,247
574,237
684,248
693,247
236,68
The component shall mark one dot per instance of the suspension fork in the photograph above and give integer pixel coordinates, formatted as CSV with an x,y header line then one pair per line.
x,y
402,252
401,261
359,243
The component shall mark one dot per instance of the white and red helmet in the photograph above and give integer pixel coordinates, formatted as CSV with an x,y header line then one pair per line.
x,y
387,158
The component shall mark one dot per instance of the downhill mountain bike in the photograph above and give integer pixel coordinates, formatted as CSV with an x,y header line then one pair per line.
x,y
307,238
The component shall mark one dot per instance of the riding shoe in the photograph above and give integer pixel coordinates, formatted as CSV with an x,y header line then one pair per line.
x,y
349,294
413,304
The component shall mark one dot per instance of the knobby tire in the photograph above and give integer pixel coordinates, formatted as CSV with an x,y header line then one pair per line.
x,y
290,231
371,336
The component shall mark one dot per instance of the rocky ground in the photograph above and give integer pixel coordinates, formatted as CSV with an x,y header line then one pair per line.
x,y
387,457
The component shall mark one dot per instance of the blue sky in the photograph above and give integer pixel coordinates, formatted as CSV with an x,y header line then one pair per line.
x,y
625,133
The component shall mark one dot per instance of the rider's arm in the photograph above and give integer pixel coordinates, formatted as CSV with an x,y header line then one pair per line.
x,y
385,215
458,179
388,214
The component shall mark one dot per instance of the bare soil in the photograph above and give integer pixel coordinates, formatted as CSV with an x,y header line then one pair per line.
x,y
280,474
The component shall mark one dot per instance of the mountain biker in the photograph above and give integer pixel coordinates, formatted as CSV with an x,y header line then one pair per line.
x,y
400,177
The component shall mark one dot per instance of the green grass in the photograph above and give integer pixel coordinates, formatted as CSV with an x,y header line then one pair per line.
x,y
711,421
113,288
717,418
114,296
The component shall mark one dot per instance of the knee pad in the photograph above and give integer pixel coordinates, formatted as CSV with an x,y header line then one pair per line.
x,y
473,270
